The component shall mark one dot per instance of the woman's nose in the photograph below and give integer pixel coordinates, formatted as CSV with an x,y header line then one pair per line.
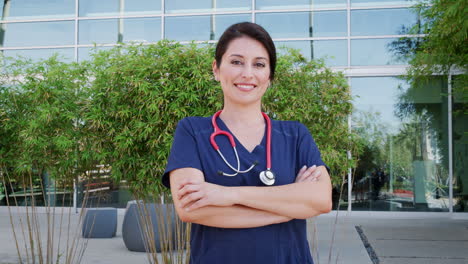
x,y
247,71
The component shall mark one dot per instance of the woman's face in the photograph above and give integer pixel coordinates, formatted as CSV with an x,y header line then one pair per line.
x,y
244,72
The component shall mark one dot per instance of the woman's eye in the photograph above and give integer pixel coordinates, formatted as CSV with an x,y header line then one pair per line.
x,y
236,62
260,65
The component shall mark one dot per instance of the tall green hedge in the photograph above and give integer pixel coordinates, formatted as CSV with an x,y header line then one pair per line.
x,y
121,108
40,133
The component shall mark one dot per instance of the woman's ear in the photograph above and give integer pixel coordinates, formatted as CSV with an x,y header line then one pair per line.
x,y
215,70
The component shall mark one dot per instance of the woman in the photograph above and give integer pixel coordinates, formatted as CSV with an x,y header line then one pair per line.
x,y
234,220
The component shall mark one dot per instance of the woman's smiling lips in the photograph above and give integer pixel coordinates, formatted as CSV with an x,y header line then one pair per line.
x,y
245,86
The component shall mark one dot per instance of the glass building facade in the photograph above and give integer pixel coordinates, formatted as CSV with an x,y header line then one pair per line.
x,y
416,151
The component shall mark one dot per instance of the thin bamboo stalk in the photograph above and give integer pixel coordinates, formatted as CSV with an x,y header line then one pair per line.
x,y
11,216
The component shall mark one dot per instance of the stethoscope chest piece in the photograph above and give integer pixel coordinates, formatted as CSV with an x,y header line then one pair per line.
x,y
267,177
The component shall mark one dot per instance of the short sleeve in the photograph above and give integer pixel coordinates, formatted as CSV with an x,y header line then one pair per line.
x,y
184,152
308,151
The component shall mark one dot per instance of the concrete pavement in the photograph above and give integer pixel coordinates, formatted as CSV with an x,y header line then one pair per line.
x,y
348,239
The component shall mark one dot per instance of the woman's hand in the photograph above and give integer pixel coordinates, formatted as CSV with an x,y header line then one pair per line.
x,y
310,174
193,195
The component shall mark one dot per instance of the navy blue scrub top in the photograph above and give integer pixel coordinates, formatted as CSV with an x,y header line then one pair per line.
x,y
292,146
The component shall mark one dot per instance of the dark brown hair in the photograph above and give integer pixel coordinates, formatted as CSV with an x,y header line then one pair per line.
x,y
251,30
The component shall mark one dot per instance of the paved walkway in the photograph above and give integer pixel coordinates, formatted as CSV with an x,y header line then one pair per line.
x,y
387,240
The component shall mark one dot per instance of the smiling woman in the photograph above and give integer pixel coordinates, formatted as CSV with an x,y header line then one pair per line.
x,y
235,221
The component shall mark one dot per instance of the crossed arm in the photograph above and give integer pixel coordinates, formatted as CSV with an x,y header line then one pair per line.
x,y
209,204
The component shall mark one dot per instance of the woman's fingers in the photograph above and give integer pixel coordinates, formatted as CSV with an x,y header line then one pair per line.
x,y
196,195
190,198
305,173
187,188
316,175
308,174
198,204
300,174
302,170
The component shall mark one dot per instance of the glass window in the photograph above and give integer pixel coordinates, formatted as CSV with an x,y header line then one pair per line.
x,y
333,51
93,8
377,52
298,4
89,8
356,3
98,31
189,28
224,21
38,34
382,22
101,190
200,28
86,53
189,6
27,9
66,54
404,128
119,30
460,145
304,24
142,7
142,29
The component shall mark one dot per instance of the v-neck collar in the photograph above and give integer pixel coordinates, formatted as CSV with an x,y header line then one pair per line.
x,y
257,148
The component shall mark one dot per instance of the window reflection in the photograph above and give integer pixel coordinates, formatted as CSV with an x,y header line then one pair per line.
x,y
460,145
142,7
98,31
93,8
87,53
404,166
298,4
224,21
33,34
141,30
119,30
66,55
356,3
188,28
382,21
99,189
333,51
99,8
304,24
377,52
27,9
201,28
189,6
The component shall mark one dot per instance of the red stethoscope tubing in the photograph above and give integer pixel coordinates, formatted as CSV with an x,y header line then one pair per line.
x,y
218,131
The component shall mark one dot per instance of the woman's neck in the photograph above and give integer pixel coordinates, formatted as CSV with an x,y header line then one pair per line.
x,y
242,116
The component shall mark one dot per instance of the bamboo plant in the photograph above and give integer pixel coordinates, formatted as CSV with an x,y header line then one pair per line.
x,y
42,155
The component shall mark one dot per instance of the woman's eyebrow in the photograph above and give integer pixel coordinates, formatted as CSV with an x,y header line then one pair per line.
x,y
238,55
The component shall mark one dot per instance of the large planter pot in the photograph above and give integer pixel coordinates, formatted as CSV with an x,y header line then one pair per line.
x,y
135,218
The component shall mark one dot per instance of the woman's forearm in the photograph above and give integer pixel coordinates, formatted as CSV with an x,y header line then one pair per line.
x,y
298,200
236,216
228,215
